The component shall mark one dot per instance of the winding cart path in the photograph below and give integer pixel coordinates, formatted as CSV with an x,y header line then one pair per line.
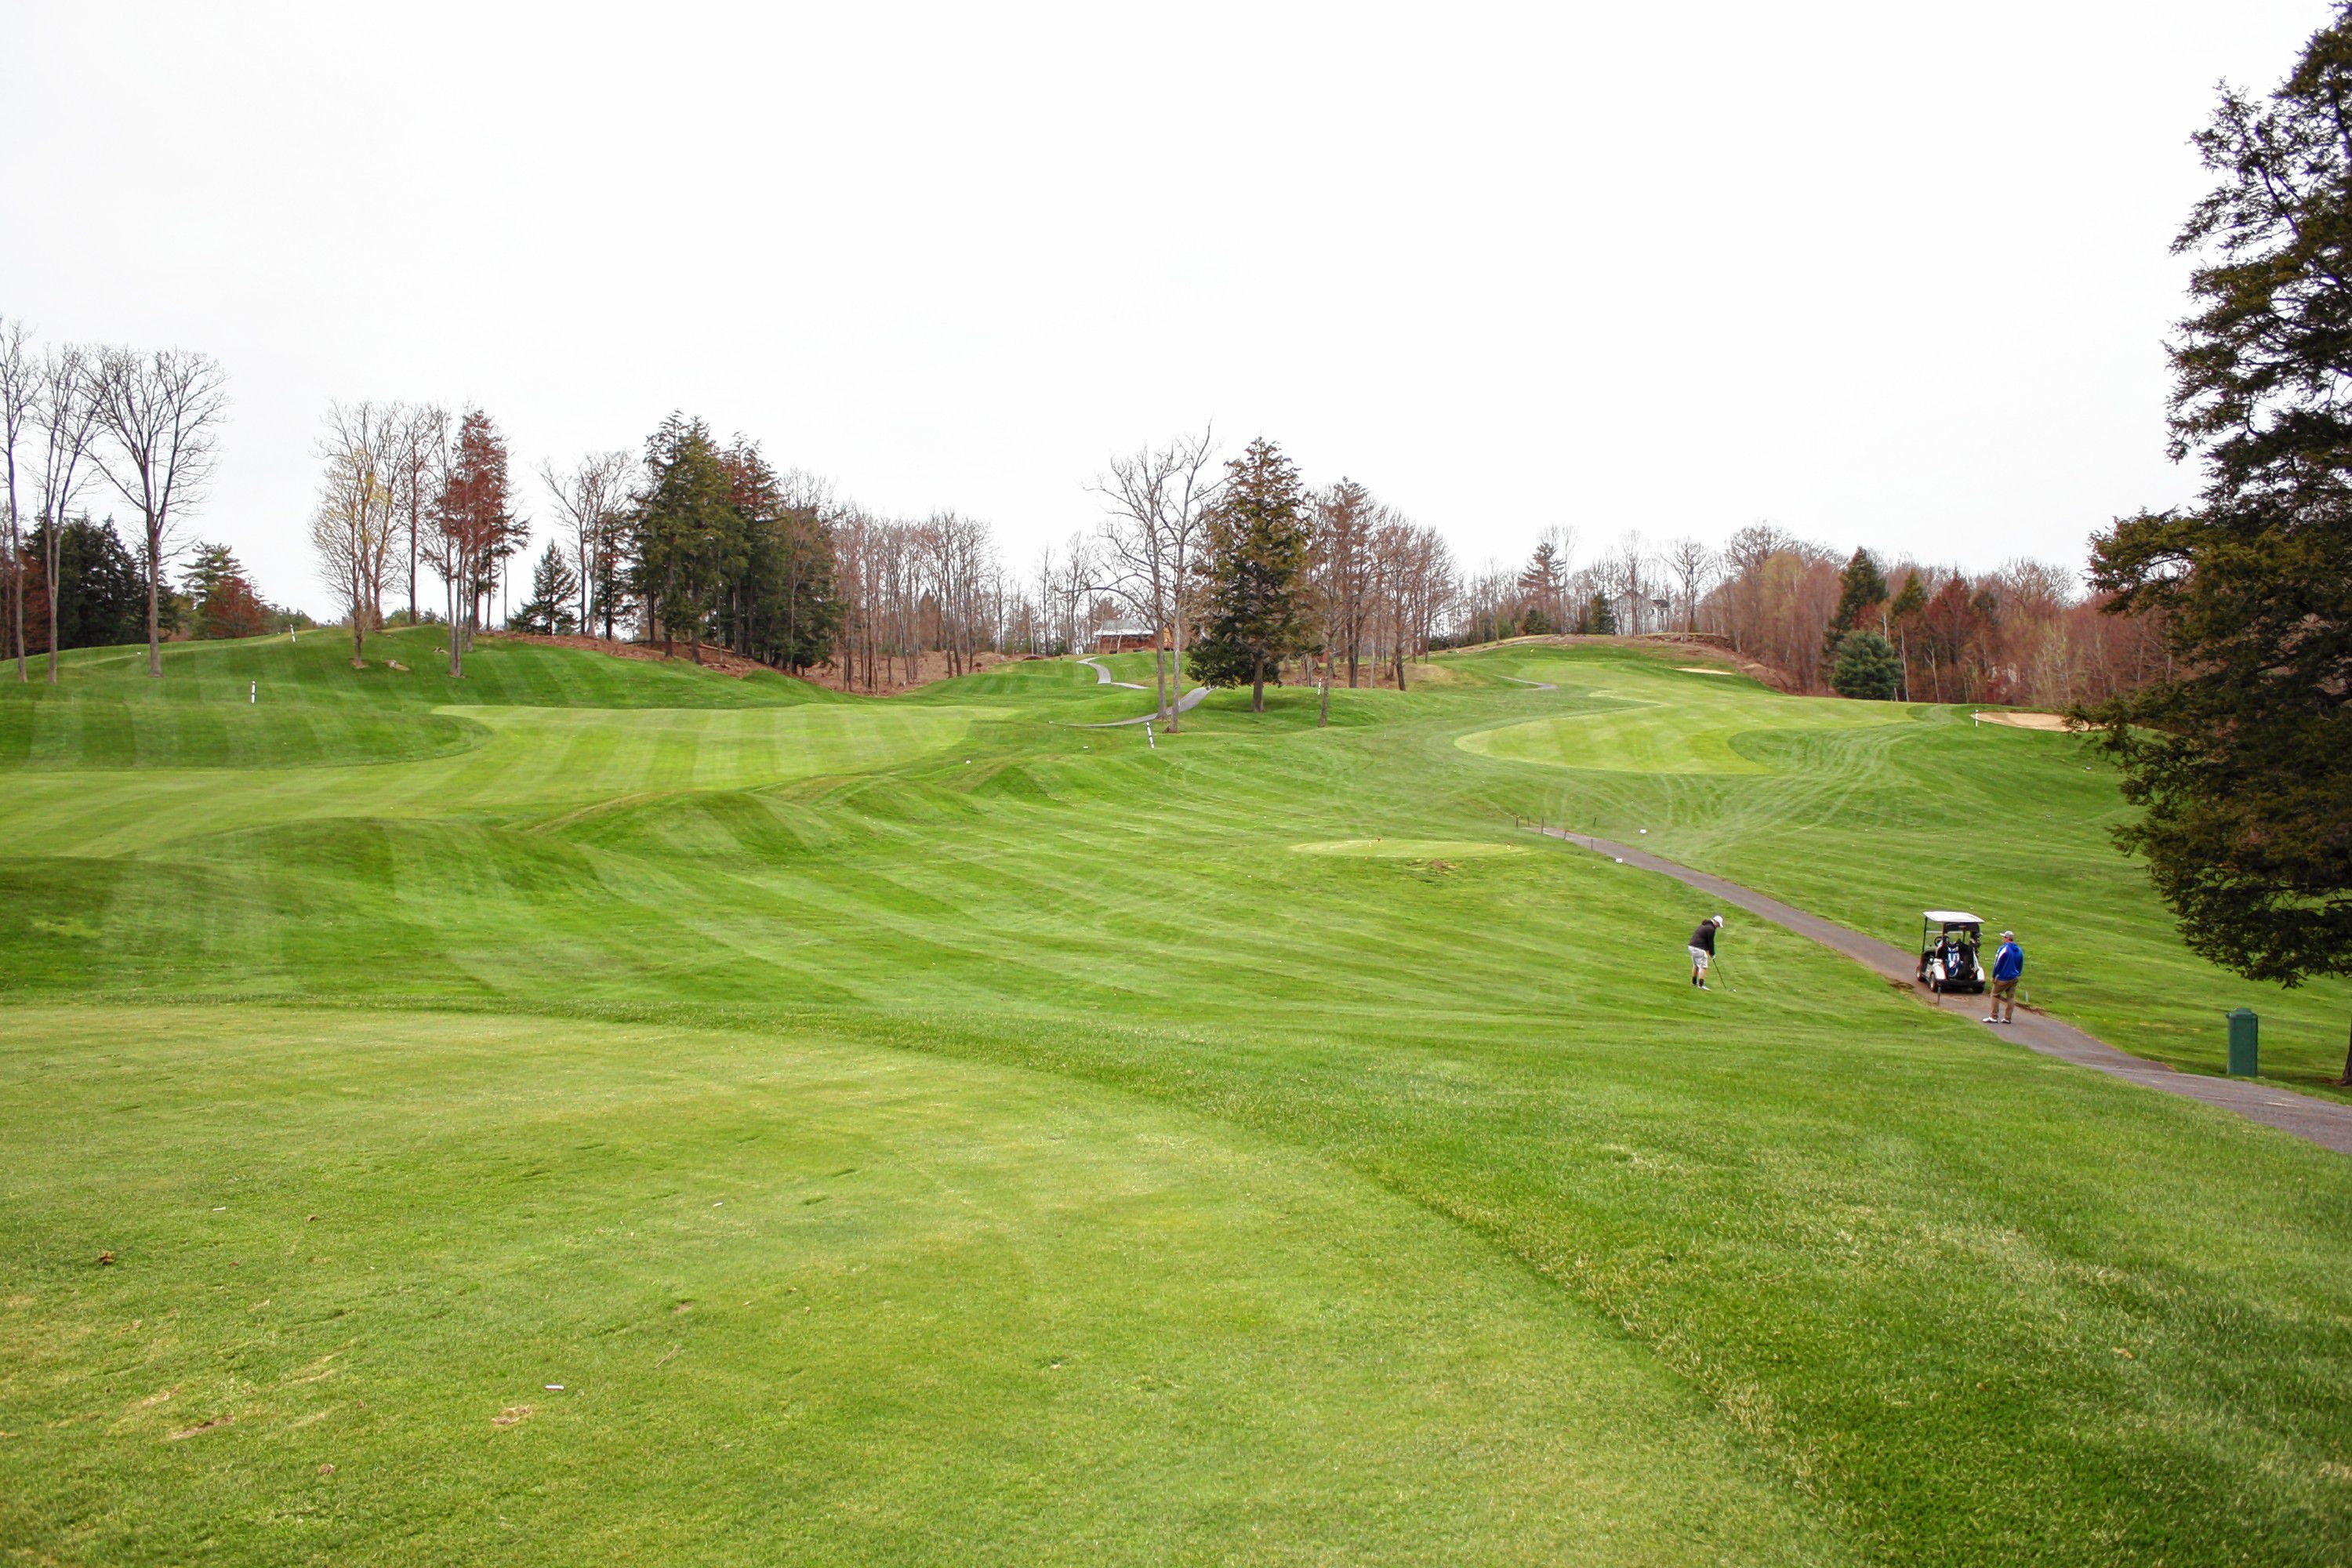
x,y
1102,676
2326,1122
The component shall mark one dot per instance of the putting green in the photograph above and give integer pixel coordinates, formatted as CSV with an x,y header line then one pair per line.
x,y
1647,736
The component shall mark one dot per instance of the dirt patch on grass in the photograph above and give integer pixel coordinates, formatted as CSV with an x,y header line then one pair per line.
x,y
2027,721
713,658
891,677
513,1415
1433,850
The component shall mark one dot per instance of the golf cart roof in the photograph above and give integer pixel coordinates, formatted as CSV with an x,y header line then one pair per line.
x,y
1952,918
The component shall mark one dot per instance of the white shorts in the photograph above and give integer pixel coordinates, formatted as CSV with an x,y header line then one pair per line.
x,y
1701,958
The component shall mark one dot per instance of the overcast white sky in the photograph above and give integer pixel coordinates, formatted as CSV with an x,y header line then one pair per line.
x,y
1880,273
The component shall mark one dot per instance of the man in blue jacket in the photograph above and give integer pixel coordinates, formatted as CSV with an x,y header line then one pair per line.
x,y
2008,964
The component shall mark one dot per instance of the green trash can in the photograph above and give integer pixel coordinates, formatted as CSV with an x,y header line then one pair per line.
x,y
2244,1032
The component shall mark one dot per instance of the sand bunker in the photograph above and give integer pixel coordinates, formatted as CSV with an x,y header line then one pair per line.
x,y
2026,720
1703,669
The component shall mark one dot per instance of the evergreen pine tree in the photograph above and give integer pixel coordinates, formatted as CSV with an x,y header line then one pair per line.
x,y
1600,616
208,566
1861,586
2237,757
689,538
555,590
1255,572
1867,666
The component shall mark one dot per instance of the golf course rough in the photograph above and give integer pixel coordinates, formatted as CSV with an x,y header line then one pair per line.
x,y
602,1108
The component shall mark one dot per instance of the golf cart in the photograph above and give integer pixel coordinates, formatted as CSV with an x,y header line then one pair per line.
x,y
1948,945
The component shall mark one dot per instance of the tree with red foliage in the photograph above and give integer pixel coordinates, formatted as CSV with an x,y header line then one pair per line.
x,y
472,519
231,610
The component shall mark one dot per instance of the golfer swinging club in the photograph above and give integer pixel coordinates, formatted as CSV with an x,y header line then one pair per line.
x,y
1702,946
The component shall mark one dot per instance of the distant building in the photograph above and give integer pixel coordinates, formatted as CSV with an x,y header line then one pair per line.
x,y
1125,637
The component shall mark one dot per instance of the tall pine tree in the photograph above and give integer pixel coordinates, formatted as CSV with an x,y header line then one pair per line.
x,y
554,590
2238,758
689,536
1255,573
1862,587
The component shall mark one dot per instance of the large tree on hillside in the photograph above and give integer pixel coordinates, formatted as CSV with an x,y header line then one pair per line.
x,y
420,455
96,596
1902,613
230,608
356,522
67,402
2238,757
1862,588
471,517
781,605
1136,544
1157,498
160,413
19,401
1345,579
1255,574
1867,666
1540,585
549,610
592,496
1690,563
687,533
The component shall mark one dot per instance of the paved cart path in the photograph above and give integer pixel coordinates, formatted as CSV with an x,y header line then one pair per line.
x,y
2326,1122
1184,704
1102,676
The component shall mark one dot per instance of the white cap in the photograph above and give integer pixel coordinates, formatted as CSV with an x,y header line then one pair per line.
x,y
1718,920
2009,933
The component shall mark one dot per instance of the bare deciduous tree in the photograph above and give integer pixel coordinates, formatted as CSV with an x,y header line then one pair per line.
x,y
1137,546
1412,586
420,441
19,393
69,415
1691,563
161,414
590,498
1345,515
356,520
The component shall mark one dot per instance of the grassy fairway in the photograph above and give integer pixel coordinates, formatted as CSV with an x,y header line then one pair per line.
x,y
1247,1150
804,1299
1869,812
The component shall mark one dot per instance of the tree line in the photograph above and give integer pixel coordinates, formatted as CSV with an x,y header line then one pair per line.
x,y
144,425
697,542
2024,633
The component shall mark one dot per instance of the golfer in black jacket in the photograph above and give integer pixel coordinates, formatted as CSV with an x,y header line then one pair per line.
x,y
1702,946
